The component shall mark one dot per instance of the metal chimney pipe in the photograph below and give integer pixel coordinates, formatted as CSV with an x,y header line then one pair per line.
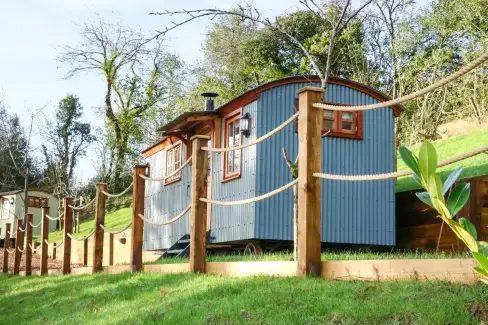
x,y
209,101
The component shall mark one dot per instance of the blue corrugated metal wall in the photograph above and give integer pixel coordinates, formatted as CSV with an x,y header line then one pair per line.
x,y
352,212
164,202
231,223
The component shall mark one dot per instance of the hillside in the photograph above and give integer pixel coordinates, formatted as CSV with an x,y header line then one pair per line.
x,y
446,148
114,220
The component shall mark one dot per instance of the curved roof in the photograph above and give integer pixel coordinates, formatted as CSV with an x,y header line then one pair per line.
x,y
253,94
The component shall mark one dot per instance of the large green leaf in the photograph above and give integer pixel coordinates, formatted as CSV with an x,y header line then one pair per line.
x,y
417,179
409,159
481,271
451,180
427,161
462,234
424,197
481,259
469,227
458,198
483,248
435,191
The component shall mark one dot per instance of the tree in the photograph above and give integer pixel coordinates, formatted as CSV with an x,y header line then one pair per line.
x,y
137,77
65,140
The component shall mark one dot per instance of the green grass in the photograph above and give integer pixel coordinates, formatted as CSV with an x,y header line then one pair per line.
x,y
326,256
138,298
446,148
114,220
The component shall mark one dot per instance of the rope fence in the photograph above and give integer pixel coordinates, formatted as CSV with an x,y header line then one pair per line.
x,y
408,172
54,244
120,194
257,198
470,66
166,222
81,238
115,232
34,249
155,179
11,251
20,250
54,219
22,230
253,142
35,226
84,206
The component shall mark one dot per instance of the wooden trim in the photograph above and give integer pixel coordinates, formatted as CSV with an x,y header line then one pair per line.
x,y
230,118
172,147
161,145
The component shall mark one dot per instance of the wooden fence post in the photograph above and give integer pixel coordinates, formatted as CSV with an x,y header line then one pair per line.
x,y
68,229
85,252
99,232
138,192
19,242
309,191
28,244
198,225
6,247
44,238
110,249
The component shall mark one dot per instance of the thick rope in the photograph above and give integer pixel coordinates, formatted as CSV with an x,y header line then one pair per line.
x,y
54,219
470,66
253,142
53,245
257,198
20,250
9,233
115,232
120,194
10,251
34,249
84,206
155,179
35,226
166,222
407,172
82,238
22,230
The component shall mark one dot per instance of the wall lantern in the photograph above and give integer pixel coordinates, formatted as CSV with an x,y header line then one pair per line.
x,y
245,125
12,200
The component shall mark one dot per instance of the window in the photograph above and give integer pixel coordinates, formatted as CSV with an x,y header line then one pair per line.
x,y
37,202
5,209
173,162
232,159
340,124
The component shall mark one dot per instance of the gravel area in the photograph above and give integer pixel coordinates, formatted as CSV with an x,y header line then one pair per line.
x,y
36,260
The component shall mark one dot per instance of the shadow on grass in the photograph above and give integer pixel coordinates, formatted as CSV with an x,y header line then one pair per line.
x,y
203,299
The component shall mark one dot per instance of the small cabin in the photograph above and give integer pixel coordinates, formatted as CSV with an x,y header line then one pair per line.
x,y
12,209
353,213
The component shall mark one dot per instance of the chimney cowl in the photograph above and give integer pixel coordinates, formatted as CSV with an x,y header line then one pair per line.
x,y
209,100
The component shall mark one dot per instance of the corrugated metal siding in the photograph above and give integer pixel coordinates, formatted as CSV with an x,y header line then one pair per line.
x,y
230,223
352,212
163,202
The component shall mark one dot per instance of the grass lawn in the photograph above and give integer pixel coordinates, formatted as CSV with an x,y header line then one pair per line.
x,y
446,148
114,220
205,299
326,256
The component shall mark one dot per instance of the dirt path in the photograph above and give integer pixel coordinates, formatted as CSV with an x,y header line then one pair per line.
x,y
36,260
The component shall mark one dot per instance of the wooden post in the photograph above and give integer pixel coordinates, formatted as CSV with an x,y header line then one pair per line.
x,y
28,244
309,191
198,225
138,191
6,247
68,229
99,232
19,242
85,252
44,238
111,249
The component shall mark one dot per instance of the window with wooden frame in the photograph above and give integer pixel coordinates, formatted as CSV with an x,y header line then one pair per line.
x,y
340,124
173,162
37,202
232,136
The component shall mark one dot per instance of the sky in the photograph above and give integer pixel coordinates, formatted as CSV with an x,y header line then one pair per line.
x,y
32,31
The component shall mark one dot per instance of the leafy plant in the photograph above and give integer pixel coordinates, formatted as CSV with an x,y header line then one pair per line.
x,y
448,206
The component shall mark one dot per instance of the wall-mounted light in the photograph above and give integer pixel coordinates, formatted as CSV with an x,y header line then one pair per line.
x,y
12,200
245,125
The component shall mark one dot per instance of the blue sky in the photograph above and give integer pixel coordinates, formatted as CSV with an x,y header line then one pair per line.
x,y
31,30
